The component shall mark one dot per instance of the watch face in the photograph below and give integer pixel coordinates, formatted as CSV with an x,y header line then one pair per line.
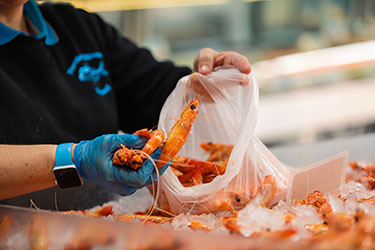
x,y
67,176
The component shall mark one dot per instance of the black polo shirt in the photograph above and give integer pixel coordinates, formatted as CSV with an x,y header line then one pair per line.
x,y
76,78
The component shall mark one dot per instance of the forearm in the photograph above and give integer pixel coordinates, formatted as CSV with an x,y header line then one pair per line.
x,y
25,169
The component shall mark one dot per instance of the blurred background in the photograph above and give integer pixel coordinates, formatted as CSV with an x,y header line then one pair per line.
x,y
313,59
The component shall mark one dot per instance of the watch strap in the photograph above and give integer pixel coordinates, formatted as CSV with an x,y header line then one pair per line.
x,y
64,154
66,173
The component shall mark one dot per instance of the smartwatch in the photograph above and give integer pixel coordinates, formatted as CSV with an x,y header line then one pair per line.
x,y
66,173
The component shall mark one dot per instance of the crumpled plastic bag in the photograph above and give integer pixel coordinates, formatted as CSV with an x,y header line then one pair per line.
x,y
228,115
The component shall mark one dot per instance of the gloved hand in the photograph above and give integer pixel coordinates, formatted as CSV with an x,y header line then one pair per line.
x,y
94,162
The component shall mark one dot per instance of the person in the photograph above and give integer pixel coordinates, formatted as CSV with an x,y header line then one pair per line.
x,y
67,76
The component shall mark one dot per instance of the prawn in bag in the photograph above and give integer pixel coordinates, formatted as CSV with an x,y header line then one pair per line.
x,y
227,116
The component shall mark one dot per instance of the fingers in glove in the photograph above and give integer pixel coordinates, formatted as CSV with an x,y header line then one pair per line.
x,y
129,141
138,178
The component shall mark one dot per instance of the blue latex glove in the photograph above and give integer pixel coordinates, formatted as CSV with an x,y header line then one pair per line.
x,y
94,162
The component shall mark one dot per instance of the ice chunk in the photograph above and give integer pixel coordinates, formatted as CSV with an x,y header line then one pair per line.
x,y
352,187
337,205
255,218
209,222
304,215
207,219
138,202
353,198
281,206
181,222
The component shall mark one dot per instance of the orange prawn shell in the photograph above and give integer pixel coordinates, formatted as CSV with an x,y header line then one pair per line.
x,y
156,139
121,156
135,160
178,134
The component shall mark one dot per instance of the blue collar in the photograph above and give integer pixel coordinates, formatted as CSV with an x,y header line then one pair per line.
x,y
33,13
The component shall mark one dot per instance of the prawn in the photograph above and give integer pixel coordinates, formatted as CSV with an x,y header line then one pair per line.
x,y
317,200
103,211
146,218
127,157
131,158
269,189
178,134
177,137
218,152
194,172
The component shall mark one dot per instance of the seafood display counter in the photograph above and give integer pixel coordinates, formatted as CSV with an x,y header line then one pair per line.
x,y
22,228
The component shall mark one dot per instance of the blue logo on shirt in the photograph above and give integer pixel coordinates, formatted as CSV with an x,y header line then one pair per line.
x,y
90,68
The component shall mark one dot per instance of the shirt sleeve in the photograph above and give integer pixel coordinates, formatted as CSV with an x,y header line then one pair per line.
x,y
141,83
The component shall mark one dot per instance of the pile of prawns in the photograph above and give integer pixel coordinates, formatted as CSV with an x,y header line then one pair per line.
x,y
338,230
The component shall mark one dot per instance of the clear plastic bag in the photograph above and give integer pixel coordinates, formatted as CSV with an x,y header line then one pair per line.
x,y
228,115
